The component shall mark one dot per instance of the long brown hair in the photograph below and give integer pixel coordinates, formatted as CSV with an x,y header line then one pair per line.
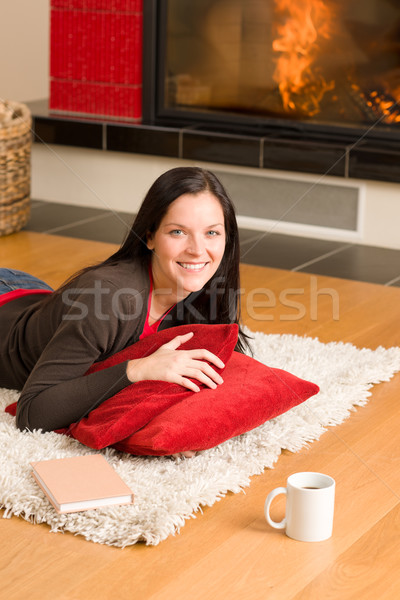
x,y
218,301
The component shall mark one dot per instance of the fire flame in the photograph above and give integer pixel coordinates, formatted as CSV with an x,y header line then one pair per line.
x,y
304,23
387,109
379,105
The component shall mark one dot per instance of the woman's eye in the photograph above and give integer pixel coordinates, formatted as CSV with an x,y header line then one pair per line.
x,y
176,232
213,233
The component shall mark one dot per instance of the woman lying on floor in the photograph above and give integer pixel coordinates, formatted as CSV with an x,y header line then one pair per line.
x,y
179,264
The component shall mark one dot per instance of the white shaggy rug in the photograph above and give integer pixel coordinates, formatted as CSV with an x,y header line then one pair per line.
x,y
168,491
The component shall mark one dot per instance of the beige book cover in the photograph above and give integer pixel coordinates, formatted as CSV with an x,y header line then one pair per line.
x,y
81,483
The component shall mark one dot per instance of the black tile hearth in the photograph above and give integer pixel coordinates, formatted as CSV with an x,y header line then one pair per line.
x,y
381,163
79,222
362,263
320,257
111,228
344,154
306,156
246,236
221,148
285,251
49,216
158,141
68,133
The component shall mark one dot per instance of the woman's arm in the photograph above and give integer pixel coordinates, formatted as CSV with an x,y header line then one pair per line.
x,y
85,393
57,406
57,391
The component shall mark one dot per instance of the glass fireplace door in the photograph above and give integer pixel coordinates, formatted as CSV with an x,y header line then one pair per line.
x,y
322,62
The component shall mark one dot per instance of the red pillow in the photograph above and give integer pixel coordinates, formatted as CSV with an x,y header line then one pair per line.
x,y
159,418
134,406
251,394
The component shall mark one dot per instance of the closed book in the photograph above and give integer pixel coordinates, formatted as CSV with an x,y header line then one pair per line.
x,y
81,483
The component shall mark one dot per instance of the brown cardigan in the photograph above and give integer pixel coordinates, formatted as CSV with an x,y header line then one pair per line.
x,y
48,344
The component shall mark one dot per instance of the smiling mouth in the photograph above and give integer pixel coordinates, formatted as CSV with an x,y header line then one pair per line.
x,y
192,267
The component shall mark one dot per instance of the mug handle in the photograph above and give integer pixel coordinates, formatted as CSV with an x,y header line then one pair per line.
x,y
270,497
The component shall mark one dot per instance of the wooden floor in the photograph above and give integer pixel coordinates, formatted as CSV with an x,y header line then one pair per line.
x,y
229,552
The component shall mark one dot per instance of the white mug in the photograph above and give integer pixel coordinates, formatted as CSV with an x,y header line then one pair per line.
x,y
310,499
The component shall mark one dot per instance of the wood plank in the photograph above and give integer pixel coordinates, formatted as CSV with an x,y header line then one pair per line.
x,y
325,307
49,257
368,570
38,565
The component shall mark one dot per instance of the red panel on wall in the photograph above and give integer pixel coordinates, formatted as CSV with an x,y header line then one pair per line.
x,y
96,57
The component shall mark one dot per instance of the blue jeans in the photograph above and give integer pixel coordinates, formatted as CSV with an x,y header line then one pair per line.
x,y
11,280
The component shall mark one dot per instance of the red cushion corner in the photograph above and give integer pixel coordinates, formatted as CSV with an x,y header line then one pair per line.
x,y
252,393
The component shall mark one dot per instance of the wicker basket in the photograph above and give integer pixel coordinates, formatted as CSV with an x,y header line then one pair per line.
x,y
15,166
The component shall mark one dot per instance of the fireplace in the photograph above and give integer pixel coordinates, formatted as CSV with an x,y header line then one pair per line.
x,y
306,86
323,68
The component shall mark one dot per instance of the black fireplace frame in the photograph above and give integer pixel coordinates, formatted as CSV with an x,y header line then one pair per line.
x,y
155,113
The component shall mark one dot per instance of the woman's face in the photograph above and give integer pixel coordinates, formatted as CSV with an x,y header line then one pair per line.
x,y
188,245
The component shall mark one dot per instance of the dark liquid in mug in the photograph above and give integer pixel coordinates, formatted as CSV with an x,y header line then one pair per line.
x,y
308,487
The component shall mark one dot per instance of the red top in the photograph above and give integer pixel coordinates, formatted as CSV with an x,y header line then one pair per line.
x,y
4,298
149,329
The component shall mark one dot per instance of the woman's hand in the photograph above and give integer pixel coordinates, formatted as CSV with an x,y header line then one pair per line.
x,y
177,366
